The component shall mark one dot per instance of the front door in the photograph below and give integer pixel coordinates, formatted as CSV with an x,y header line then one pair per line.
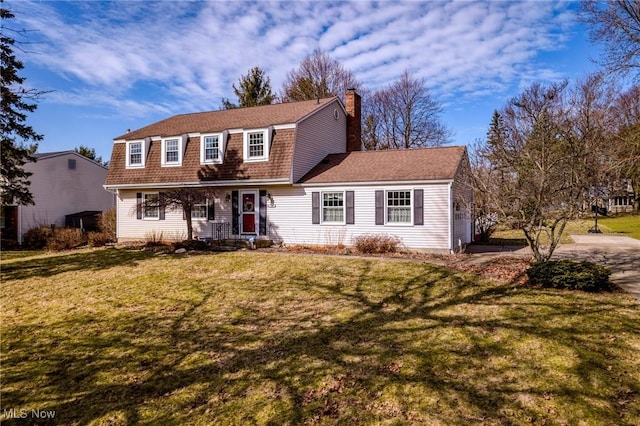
x,y
248,212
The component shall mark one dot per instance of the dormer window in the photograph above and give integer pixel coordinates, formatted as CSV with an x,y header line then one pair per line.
x,y
172,149
256,145
135,154
212,148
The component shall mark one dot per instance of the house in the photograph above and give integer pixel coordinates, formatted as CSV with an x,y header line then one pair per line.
x,y
291,173
62,184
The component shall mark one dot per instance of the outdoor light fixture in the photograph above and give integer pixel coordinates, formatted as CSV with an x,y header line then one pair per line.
x,y
227,197
270,199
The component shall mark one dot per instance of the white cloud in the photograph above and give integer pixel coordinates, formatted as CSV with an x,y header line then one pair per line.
x,y
194,52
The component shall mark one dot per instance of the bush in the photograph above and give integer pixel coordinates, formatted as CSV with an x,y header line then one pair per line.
x,y
381,243
154,238
567,274
65,239
37,238
98,239
107,224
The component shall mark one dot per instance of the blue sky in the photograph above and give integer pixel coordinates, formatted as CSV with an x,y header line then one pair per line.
x,y
113,66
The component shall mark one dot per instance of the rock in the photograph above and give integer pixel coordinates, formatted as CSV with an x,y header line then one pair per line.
x,y
180,251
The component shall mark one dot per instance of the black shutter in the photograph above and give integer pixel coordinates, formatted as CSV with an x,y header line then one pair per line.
x,y
350,208
418,207
235,230
262,228
161,207
379,207
139,205
211,213
315,208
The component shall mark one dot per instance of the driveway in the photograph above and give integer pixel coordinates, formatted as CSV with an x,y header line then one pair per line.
x,y
621,254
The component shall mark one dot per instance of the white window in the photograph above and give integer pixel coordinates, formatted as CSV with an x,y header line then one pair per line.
x,y
211,149
399,207
199,211
135,154
333,207
256,145
151,206
172,152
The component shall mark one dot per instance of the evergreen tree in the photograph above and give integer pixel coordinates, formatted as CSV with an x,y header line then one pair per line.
x,y
254,90
16,135
90,153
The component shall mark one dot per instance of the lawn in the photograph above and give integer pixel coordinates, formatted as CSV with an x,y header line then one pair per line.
x,y
119,336
623,225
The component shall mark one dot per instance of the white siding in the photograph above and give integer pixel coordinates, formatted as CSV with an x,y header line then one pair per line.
x,y
59,191
290,219
317,136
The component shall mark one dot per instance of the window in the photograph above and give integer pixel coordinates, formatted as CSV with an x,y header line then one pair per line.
x,y
135,154
199,211
399,207
171,152
151,206
211,149
256,145
333,207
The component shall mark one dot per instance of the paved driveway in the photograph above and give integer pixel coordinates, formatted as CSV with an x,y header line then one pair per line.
x,y
620,254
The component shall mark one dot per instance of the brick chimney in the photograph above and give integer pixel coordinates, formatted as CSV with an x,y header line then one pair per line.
x,y
354,121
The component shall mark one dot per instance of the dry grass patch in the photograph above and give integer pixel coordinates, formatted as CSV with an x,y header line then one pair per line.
x,y
122,337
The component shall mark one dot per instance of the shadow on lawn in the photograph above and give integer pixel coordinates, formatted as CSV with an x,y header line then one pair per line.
x,y
439,345
74,261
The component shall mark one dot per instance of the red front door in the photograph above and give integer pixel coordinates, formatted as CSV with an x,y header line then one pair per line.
x,y
248,212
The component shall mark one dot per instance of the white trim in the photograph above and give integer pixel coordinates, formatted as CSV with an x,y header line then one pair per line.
x,y
450,217
378,183
181,146
231,183
266,144
256,208
386,207
222,136
143,153
344,208
285,126
144,200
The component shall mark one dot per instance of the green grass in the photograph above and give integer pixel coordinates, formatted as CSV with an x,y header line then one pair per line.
x,y
120,337
627,225
623,225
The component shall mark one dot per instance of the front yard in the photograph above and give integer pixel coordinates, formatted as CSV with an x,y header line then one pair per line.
x,y
119,336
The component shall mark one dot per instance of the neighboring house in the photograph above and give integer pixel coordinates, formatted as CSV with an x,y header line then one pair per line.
x,y
63,184
621,197
291,173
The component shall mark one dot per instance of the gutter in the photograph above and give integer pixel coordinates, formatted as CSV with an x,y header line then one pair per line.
x,y
243,182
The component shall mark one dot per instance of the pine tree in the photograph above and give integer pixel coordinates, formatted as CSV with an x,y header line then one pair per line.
x,y
16,135
254,90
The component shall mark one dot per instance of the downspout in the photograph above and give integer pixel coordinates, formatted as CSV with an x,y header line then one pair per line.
x,y
450,218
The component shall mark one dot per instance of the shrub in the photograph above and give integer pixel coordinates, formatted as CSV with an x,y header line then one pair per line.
x,y
107,224
37,238
65,239
376,243
98,239
154,239
567,274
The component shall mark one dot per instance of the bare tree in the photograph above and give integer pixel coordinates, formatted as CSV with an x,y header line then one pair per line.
x,y
626,140
615,23
188,200
318,76
484,180
404,115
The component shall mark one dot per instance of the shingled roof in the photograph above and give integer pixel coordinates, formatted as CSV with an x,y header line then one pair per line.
x,y
439,163
238,118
